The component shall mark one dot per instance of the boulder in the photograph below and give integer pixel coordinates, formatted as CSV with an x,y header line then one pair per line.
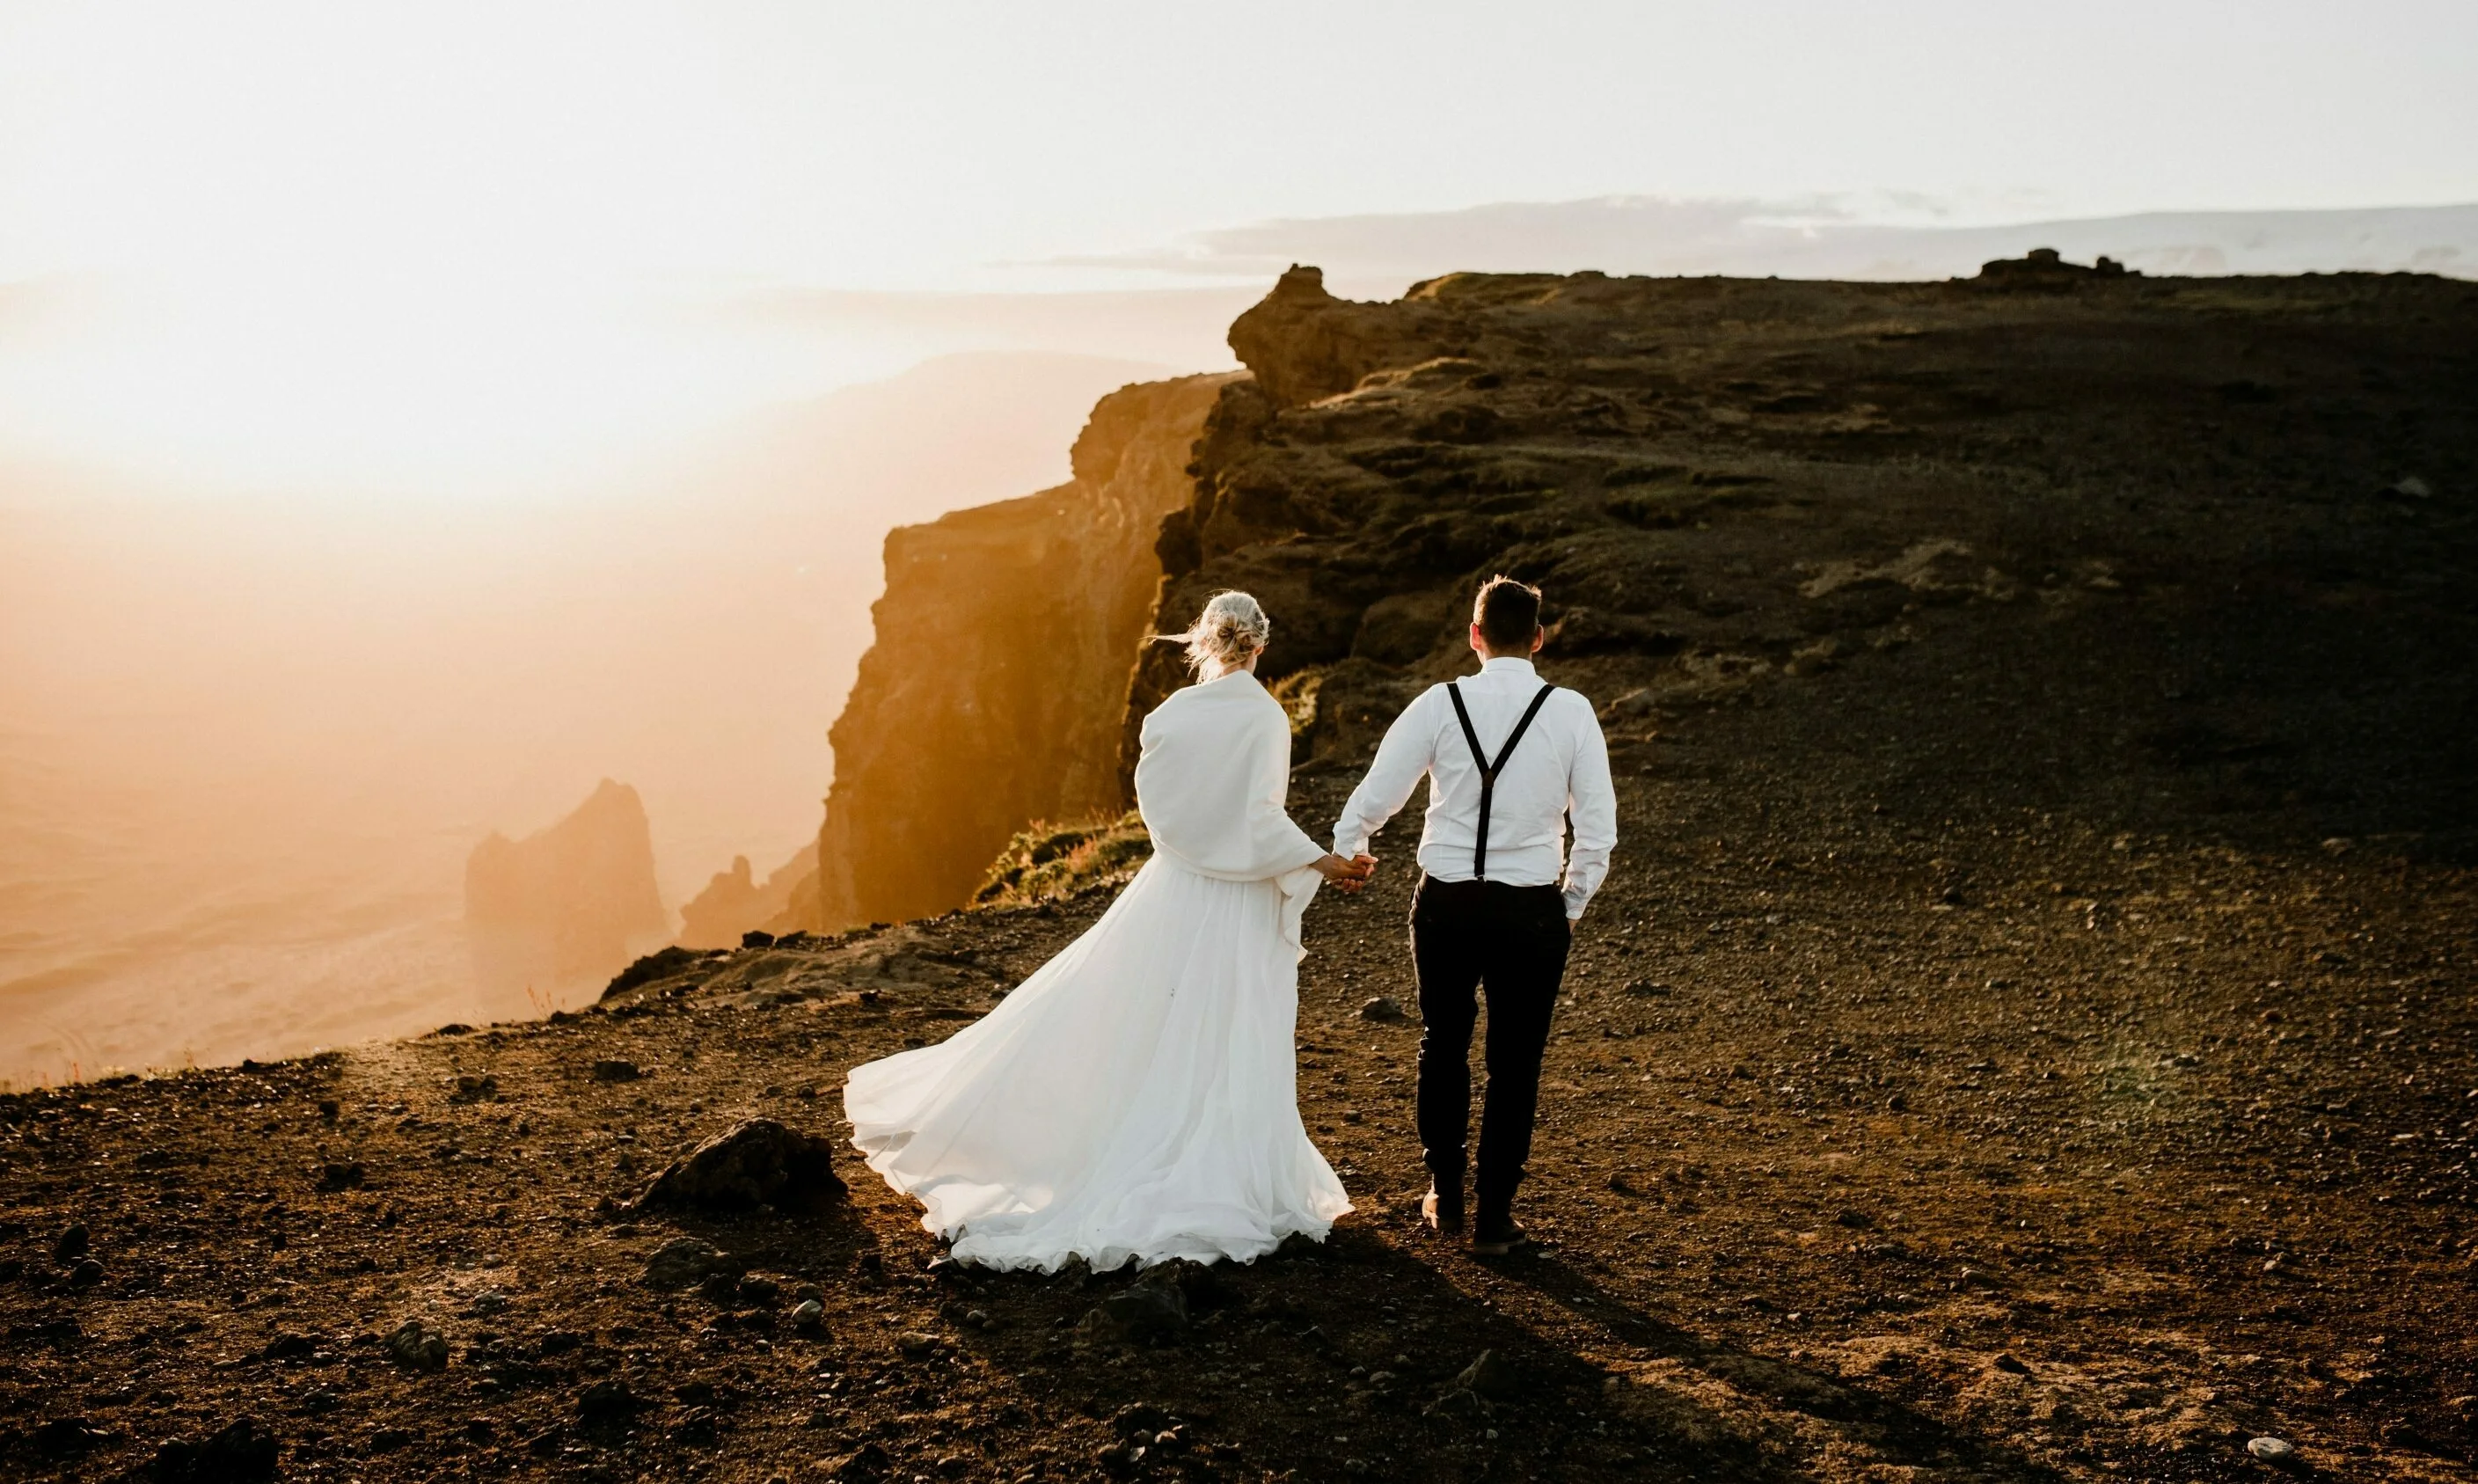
x,y
755,1163
661,963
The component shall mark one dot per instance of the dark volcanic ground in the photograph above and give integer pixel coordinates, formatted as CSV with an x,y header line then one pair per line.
x,y
2027,1035
1880,1142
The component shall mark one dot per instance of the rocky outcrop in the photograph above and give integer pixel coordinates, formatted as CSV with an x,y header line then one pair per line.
x,y
735,902
567,905
2045,267
993,695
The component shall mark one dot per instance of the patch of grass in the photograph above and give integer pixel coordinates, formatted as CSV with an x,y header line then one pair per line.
x,y
1046,861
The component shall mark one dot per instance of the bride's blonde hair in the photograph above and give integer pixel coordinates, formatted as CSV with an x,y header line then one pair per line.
x,y
1233,627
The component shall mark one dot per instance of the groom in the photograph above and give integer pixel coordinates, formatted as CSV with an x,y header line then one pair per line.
x,y
1509,760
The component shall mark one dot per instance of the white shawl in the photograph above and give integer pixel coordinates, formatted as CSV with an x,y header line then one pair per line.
x,y
1211,781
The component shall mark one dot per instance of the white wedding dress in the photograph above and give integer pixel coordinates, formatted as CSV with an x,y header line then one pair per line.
x,y
1137,1096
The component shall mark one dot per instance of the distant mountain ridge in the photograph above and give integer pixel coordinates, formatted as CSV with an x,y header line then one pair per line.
x,y
1625,235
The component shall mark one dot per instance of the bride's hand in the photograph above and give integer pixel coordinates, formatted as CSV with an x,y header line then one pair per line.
x,y
1344,875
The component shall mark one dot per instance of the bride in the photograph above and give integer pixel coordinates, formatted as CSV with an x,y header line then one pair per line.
x,y
1136,1098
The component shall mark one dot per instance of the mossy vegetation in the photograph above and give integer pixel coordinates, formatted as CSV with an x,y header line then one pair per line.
x,y
1044,862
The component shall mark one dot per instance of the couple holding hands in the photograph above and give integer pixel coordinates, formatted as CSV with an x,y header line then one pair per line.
x,y
1136,1099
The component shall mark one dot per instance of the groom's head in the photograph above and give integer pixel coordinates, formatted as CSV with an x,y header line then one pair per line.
x,y
1506,620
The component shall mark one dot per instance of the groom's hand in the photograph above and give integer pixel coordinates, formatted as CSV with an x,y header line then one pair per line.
x,y
1364,865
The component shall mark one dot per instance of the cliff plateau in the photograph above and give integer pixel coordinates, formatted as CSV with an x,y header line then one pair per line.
x,y
2215,502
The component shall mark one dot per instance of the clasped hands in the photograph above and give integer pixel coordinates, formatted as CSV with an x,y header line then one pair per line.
x,y
1348,875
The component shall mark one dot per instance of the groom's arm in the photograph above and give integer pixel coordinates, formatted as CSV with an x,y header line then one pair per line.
x,y
1402,760
1592,803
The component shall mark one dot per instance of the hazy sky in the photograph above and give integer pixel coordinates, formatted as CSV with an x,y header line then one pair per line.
x,y
232,229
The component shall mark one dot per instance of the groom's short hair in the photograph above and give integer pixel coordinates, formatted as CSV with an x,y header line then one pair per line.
x,y
1507,613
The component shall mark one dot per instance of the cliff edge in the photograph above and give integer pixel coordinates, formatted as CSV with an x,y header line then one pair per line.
x,y
992,695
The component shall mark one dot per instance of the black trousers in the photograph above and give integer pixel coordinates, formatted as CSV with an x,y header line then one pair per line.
x,y
1511,943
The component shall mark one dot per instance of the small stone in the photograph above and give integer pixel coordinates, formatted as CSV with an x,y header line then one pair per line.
x,y
85,1275
759,1291
607,1407
2272,1451
289,1347
471,1089
342,1175
613,1069
682,1263
809,1314
914,1344
418,1346
72,1245
2011,1365
1384,1009
1152,1306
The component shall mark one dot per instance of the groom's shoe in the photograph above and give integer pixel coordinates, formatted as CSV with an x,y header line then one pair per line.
x,y
1497,1236
1442,1208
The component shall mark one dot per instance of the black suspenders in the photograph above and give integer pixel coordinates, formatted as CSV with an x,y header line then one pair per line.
x,y
1488,770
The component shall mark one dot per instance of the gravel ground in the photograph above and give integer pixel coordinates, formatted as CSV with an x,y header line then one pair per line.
x,y
1895,1127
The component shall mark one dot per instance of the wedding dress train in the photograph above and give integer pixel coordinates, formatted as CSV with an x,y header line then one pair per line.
x,y
1137,1096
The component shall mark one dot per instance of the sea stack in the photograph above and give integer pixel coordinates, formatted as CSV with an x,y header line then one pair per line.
x,y
569,905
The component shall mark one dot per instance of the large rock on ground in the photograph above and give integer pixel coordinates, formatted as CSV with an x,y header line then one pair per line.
x,y
753,1163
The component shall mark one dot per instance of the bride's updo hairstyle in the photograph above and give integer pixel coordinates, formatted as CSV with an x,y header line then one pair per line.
x,y
1231,628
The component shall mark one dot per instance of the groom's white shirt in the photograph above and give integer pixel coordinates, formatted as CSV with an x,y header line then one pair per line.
x,y
1560,768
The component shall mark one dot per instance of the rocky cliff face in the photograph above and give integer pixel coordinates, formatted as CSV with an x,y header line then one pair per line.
x,y
566,906
993,695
